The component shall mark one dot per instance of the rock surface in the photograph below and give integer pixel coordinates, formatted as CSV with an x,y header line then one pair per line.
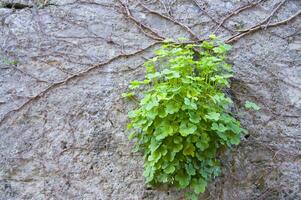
x,y
65,63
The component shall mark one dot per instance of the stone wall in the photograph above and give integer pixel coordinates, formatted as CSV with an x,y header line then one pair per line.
x,y
65,63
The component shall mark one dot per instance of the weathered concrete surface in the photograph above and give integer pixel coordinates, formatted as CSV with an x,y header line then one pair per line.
x,y
69,142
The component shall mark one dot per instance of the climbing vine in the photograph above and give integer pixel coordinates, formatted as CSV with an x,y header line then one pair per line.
x,y
183,118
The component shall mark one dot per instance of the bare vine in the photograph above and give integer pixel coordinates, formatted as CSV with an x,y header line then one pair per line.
x,y
261,26
185,27
210,16
236,12
148,31
68,79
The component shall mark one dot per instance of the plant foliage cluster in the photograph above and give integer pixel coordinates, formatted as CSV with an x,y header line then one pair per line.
x,y
183,118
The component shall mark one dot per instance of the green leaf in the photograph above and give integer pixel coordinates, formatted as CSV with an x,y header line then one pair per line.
x,y
218,127
226,118
221,100
176,147
163,131
163,150
189,149
190,169
127,95
132,135
187,128
163,178
222,49
177,139
153,75
212,37
162,113
170,169
187,101
149,173
222,136
203,143
193,117
171,73
172,107
235,128
189,104
155,156
152,113
251,105
199,185
133,113
151,103
192,196
135,84
207,45
154,145
183,179
213,116
170,156
235,139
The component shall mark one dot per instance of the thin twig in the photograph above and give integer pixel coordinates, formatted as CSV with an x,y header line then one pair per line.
x,y
167,10
193,35
235,12
211,17
261,26
62,82
266,20
30,75
286,20
154,35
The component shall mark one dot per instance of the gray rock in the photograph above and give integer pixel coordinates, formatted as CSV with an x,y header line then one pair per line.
x,y
70,142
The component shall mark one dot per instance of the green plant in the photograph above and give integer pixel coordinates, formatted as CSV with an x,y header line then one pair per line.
x,y
183,118
6,61
251,105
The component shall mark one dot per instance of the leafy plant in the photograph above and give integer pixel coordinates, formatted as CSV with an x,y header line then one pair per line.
x,y
6,61
183,118
251,105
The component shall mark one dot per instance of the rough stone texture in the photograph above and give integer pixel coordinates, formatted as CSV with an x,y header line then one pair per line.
x,y
69,142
